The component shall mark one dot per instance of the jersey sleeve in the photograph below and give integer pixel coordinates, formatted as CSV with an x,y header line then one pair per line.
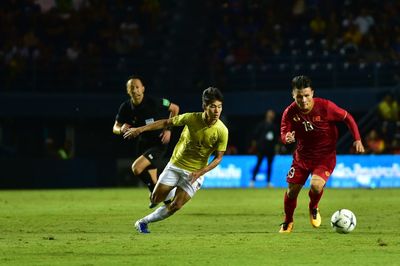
x,y
352,125
165,103
223,140
286,125
161,105
123,114
181,120
335,113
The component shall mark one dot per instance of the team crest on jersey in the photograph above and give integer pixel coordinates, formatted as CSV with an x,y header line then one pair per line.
x,y
296,118
316,118
213,138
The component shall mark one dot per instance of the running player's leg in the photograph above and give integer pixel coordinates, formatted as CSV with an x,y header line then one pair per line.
x,y
159,193
180,199
290,204
160,162
320,175
156,155
163,212
168,180
170,177
290,201
316,190
154,159
295,178
317,184
145,166
138,168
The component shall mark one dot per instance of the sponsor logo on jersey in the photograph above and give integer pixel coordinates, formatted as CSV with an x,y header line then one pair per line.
x,y
213,138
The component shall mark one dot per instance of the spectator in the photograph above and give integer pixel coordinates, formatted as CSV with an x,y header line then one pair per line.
x,y
375,144
364,21
265,143
318,27
388,110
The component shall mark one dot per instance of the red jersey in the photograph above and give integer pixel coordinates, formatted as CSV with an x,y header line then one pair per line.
x,y
316,133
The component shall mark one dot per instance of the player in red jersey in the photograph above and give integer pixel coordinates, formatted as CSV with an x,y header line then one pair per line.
x,y
310,122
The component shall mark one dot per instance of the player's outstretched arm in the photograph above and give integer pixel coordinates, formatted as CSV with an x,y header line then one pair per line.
x,y
119,129
136,131
352,125
216,160
166,134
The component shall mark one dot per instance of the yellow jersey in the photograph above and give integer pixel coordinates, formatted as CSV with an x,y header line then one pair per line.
x,y
197,141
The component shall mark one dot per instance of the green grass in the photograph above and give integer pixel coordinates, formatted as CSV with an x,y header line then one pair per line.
x,y
218,227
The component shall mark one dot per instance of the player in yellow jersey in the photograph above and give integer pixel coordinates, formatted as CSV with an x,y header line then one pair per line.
x,y
203,134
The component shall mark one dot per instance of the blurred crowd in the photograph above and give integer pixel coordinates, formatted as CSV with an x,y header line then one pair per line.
x,y
91,45
384,136
268,39
74,45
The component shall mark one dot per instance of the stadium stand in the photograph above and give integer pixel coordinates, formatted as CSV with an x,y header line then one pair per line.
x,y
90,46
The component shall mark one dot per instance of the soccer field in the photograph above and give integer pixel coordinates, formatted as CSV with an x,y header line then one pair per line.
x,y
218,227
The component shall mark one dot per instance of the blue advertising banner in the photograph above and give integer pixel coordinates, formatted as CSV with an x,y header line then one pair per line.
x,y
352,171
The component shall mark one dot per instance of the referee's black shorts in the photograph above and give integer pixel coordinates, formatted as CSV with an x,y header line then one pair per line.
x,y
156,155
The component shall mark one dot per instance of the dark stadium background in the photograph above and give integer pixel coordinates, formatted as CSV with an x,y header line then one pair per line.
x,y
64,65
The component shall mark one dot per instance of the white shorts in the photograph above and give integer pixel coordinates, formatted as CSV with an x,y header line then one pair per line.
x,y
177,177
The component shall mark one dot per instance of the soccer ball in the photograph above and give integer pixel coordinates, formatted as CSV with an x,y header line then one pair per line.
x,y
343,221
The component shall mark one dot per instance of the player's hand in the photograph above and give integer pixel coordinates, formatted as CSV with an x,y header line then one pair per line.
x,y
194,176
125,128
132,132
165,136
289,138
359,147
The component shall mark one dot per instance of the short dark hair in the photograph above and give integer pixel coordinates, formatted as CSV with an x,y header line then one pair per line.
x,y
212,94
301,82
135,76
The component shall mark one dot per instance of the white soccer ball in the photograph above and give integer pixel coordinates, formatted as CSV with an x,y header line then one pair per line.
x,y
343,221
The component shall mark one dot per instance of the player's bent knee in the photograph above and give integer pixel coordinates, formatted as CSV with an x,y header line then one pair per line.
x,y
156,198
316,188
317,184
136,170
291,194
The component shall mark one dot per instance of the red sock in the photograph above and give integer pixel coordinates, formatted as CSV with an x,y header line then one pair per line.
x,y
314,199
290,205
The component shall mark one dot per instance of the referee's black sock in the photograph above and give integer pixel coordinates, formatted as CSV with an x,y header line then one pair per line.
x,y
146,178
